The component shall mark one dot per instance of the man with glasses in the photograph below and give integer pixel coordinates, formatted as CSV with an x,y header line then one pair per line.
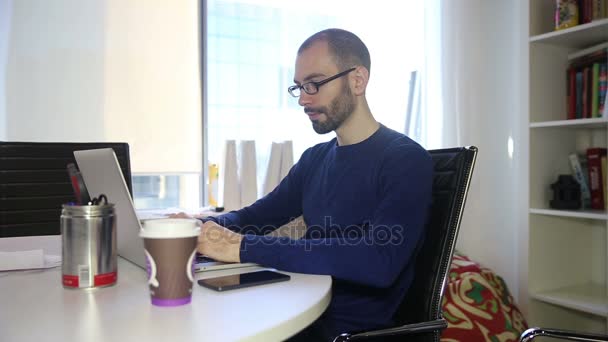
x,y
364,197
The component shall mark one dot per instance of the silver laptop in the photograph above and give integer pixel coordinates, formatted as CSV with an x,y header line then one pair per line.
x,y
102,175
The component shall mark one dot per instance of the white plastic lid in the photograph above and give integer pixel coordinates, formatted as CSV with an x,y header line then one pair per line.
x,y
170,228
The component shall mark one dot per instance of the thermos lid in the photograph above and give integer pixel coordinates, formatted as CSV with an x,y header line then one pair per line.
x,y
88,210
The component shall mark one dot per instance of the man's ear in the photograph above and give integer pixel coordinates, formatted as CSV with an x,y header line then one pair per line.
x,y
361,77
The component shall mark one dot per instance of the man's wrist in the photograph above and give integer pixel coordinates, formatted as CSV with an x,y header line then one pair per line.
x,y
237,248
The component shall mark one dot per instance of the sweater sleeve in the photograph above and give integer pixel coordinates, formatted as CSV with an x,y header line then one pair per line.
x,y
280,206
385,246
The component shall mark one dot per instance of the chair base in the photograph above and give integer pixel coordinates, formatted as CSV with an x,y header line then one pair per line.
x,y
408,329
532,333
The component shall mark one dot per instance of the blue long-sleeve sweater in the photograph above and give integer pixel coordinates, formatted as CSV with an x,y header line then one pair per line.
x,y
365,206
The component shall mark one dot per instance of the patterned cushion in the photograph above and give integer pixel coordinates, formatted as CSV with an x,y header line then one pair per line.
x,y
478,305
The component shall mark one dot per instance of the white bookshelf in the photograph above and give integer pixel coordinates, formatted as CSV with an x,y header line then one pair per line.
x,y
580,123
584,214
567,256
577,36
587,298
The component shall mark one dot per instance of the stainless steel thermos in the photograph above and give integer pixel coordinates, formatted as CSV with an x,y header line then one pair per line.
x,y
88,245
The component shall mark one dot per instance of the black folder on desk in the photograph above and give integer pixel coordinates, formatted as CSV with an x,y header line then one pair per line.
x,y
34,184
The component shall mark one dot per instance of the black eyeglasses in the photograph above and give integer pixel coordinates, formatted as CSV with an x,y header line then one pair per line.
x,y
312,88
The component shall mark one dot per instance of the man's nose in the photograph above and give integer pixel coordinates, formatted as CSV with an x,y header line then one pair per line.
x,y
304,99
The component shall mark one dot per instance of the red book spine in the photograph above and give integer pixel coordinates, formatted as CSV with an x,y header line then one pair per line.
x,y
582,11
596,183
587,11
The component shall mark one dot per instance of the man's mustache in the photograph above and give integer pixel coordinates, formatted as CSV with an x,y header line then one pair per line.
x,y
315,110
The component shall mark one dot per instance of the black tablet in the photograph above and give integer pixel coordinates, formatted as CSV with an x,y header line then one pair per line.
x,y
237,281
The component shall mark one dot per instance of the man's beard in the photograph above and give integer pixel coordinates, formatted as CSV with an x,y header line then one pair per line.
x,y
339,110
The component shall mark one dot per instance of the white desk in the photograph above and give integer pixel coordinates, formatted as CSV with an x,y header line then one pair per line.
x,y
35,307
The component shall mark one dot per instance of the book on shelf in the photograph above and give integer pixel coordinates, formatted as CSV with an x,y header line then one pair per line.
x,y
604,172
566,14
595,87
596,183
577,163
603,90
587,82
585,93
590,10
569,13
576,97
571,93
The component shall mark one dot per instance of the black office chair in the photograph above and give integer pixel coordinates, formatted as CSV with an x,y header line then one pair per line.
x,y
419,316
568,335
34,183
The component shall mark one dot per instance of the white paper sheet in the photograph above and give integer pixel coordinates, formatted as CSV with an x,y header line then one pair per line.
x,y
248,173
286,159
228,184
25,260
273,172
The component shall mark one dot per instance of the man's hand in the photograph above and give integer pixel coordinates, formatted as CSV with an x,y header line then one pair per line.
x,y
186,216
180,215
219,243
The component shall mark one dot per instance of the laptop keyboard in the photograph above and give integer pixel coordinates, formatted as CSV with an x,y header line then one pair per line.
x,y
202,259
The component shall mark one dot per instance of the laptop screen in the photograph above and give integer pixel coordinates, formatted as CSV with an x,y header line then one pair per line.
x,y
102,175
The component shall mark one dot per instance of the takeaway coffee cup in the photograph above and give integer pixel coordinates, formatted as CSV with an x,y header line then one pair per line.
x,y
170,247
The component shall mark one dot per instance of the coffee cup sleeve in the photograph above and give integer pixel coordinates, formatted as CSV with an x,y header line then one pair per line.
x,y
152,277
189,266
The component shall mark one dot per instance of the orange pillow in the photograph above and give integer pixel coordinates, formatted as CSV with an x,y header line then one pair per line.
x,y
478,305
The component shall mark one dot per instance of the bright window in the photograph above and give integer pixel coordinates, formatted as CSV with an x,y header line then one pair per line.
x,y
251,50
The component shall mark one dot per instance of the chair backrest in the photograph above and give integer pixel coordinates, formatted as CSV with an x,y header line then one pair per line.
x,y
34,183
453,169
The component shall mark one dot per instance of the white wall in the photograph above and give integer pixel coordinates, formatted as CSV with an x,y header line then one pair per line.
x,y
102,70
492,216
152,82
5,22
523,139
55,75
107,70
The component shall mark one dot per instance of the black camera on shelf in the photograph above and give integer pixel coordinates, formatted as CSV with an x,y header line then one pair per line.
x,y
566,193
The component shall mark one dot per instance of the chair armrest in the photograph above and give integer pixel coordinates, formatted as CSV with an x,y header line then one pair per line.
x,y
531,333
408,329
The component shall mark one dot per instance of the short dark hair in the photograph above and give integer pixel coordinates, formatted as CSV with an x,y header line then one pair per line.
x,y
347,49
